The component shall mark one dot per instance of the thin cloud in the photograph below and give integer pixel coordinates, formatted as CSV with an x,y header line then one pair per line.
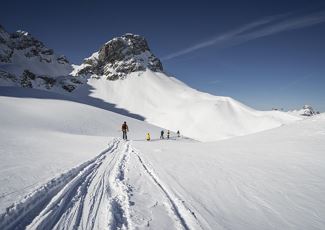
x,y
296,82
223,37
261,28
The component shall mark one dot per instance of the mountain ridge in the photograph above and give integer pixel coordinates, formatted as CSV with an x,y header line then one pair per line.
x,y
124,75
26,62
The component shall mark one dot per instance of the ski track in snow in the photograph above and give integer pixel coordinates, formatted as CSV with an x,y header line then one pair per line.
x,y
94,195
176,205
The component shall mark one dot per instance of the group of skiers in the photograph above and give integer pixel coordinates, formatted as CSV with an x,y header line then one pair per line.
x,y
125,130
168,134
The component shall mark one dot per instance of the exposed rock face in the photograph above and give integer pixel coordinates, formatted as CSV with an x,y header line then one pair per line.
x,y
308,110
28,63
62,59
121,56
5,50
21,40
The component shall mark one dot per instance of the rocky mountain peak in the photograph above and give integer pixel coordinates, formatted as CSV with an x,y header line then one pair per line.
x,y
24,42
27,62
121,56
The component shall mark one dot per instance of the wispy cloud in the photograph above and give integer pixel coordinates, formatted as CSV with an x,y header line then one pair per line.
x,y
296,82
261,28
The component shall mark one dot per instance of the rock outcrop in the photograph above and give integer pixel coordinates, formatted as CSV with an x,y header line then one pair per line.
x,y
27,62
121,56
308,110
23,41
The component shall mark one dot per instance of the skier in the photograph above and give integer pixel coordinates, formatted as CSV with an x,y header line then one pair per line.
x,y
162,134
125,129
178,133
148,136
168,133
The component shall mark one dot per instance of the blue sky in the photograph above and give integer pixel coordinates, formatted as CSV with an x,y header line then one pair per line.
x,y
263,53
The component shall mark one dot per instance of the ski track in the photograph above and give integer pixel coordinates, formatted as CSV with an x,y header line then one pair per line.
x,y
94,195
186,217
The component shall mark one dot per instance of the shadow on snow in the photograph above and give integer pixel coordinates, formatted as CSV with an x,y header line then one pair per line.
x,y
82,97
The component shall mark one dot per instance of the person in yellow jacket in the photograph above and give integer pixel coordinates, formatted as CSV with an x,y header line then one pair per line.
x,y
148,136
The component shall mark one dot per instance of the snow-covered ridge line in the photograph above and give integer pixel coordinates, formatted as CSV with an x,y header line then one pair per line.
x,y
169,103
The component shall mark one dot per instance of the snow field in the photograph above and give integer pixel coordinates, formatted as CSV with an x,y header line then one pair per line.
x,y
44,134
271,180
104,192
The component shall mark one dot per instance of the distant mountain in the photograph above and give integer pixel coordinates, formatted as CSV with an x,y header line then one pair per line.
x,y
306,111
124,74
27,62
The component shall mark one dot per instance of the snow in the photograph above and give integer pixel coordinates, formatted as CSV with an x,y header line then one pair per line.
x,y
164,100
297,112
94,56
64,167
48,133
77,68
270,180
23,32
19,63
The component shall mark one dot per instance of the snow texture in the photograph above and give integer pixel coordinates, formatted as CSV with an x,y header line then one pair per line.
x,y
64,168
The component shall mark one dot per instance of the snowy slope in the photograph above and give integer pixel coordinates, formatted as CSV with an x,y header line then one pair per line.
x,y
169,103
269,180
43,134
